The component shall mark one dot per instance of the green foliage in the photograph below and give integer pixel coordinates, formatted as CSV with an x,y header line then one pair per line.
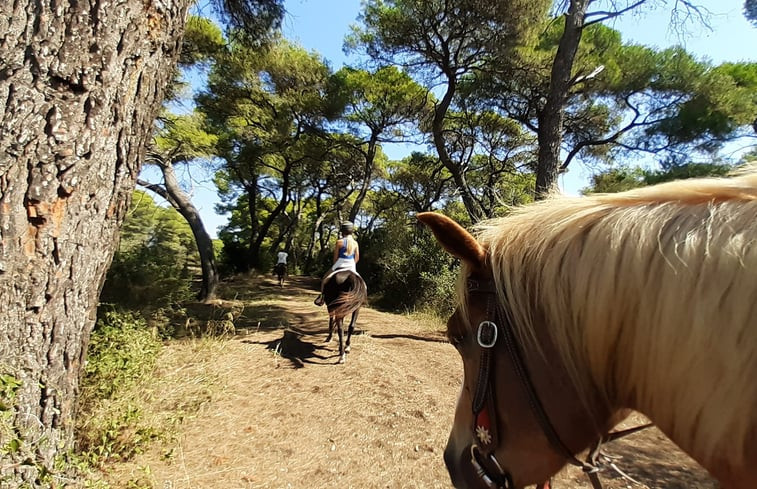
x,y
420,181
615,180
750,11
202,41
722,99
269,109
182,138
9,385
452,36
408,270
684,171
627,178
155,259
302,145
386,100
626,99
121,354
253,22
122,349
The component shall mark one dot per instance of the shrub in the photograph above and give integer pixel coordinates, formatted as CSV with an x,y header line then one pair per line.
x,y
410,269
122,353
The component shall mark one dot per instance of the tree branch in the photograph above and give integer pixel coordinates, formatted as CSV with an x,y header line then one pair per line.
x,y
610,15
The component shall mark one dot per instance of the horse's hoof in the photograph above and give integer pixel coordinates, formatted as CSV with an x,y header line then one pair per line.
x,y
343,358
347,349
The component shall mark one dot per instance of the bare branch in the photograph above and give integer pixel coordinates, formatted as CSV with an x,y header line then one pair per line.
x,y
607,15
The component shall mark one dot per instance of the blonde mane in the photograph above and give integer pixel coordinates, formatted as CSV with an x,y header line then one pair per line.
x,y
650,297
350,244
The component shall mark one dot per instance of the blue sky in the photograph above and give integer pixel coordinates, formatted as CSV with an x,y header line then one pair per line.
x,y
321,25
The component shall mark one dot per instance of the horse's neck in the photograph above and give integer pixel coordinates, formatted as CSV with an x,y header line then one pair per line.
x,y
579,415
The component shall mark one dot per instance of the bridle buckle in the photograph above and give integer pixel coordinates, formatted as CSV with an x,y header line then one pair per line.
x,y
487,334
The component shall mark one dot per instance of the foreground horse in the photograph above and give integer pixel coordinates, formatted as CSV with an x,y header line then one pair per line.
x,y
575,309
344,292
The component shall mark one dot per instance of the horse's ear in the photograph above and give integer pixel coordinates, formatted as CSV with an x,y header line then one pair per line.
x,y
455,239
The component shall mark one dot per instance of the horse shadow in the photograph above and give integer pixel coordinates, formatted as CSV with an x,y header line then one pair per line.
x,y
293,347
303,330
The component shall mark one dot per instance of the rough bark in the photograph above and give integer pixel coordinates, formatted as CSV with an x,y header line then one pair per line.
x,y
180,201
552,114
80,84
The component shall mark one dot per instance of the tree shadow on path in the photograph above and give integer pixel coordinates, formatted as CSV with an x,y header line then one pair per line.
x,y
431,339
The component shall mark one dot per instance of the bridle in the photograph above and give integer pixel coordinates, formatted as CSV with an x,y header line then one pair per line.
x,y
483,457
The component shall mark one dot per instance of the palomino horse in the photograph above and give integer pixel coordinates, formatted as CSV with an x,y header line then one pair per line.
x,y
344,292
575,309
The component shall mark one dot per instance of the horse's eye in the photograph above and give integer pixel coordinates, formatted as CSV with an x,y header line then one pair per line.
x,y
456,341
455,333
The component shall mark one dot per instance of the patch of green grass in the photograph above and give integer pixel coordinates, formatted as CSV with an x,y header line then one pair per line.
x,y
121,358
10,442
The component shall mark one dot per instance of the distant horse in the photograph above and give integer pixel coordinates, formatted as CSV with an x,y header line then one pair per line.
x,y
280,269
344,292
574,309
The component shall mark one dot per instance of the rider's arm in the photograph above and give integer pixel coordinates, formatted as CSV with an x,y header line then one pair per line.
x,y
337,246
357,253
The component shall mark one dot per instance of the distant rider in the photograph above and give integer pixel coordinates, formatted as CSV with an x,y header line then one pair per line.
x,y
281,263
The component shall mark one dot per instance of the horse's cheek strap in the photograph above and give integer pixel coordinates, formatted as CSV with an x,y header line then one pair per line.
x,y
484,425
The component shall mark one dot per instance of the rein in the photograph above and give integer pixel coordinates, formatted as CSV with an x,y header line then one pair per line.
x,y
483,458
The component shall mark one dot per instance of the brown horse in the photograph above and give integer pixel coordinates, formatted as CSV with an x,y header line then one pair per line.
x,y
280,269
574,310
344,292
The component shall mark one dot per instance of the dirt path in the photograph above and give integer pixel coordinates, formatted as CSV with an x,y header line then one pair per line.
x,y
287,416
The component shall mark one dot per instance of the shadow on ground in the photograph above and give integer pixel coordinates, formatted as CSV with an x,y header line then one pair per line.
x,y
251,305
644,464
301,348
431,339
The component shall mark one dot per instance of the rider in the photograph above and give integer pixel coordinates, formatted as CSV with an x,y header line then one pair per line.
x,y
346,255
281,260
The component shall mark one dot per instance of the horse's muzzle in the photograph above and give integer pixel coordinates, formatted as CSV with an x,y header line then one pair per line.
x,y
471,469
461,470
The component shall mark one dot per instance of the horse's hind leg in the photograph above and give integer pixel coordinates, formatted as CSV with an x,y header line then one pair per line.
x,y
340,331
331,330
350,330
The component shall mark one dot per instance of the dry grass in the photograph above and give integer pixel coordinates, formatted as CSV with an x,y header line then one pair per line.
x,y
184,379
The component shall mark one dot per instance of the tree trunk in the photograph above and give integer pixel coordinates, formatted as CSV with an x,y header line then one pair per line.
x,y
80,85
257,242
180,201
552,114
370,157
437,128
252,189
308,268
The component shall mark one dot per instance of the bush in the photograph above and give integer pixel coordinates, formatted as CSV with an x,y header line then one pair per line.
x,y
121,354
410,269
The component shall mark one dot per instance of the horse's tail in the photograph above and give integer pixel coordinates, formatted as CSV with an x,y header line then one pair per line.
x,y
350,301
